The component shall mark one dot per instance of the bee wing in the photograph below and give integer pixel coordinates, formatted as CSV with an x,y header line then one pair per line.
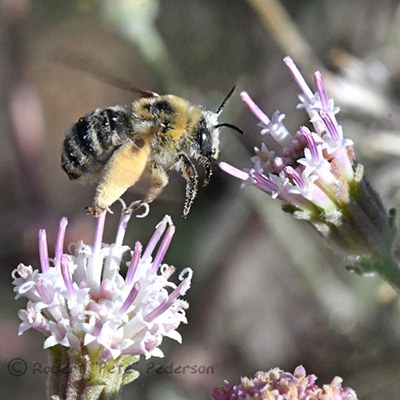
x,y
91,67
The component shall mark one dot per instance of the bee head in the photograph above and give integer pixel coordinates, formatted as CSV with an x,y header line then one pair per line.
x,y
207,136
208,133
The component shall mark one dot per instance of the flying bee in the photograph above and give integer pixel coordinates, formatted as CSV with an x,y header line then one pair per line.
x,y
156,133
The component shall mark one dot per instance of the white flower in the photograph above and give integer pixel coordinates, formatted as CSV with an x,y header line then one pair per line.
x,y
81,299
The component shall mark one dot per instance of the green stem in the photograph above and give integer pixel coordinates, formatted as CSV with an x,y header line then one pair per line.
x,y
76,376
58,378
388,268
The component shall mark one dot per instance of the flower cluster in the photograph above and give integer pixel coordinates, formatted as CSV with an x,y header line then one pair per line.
x,y
82,300
280,385
315,173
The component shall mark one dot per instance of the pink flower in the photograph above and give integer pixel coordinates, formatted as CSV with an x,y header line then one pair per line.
x,y
81,299
315,174
279,385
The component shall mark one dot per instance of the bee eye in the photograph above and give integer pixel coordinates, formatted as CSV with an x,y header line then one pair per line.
x,y
205,142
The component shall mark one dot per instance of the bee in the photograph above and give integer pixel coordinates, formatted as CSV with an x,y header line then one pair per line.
x,y
114,146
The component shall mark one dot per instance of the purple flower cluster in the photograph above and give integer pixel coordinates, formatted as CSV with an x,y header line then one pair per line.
x,y
279,385
315,174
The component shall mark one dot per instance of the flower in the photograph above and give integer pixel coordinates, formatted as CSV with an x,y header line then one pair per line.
x,y
277,384
314,172
81,300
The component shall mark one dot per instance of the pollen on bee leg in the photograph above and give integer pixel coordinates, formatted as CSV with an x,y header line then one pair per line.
x,y
187,207
208,171
121,172
95,211
190,174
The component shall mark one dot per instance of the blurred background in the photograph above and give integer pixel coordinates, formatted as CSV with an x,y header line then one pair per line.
x,y
266,290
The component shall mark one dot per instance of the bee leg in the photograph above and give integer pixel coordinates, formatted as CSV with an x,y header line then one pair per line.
x,y
94,211
159,179
208,171
190,174
122,170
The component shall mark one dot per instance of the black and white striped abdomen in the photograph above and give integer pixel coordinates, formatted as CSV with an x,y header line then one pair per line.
x,y
90,142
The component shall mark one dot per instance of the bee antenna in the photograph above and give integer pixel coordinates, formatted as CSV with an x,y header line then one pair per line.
x,y
234,127
225,102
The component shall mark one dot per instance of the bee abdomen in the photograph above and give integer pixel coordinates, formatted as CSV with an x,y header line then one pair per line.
x,y
90,142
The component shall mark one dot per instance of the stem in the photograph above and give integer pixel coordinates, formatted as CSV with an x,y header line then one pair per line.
x,y
287,36
76,376
388,268
59,361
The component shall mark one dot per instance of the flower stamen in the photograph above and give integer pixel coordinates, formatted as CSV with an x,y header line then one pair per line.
x,y
60,242
122,225
160,229
133,264
298,77
131,298
255,109
98,234
43,251
67,276
165,304
163,248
